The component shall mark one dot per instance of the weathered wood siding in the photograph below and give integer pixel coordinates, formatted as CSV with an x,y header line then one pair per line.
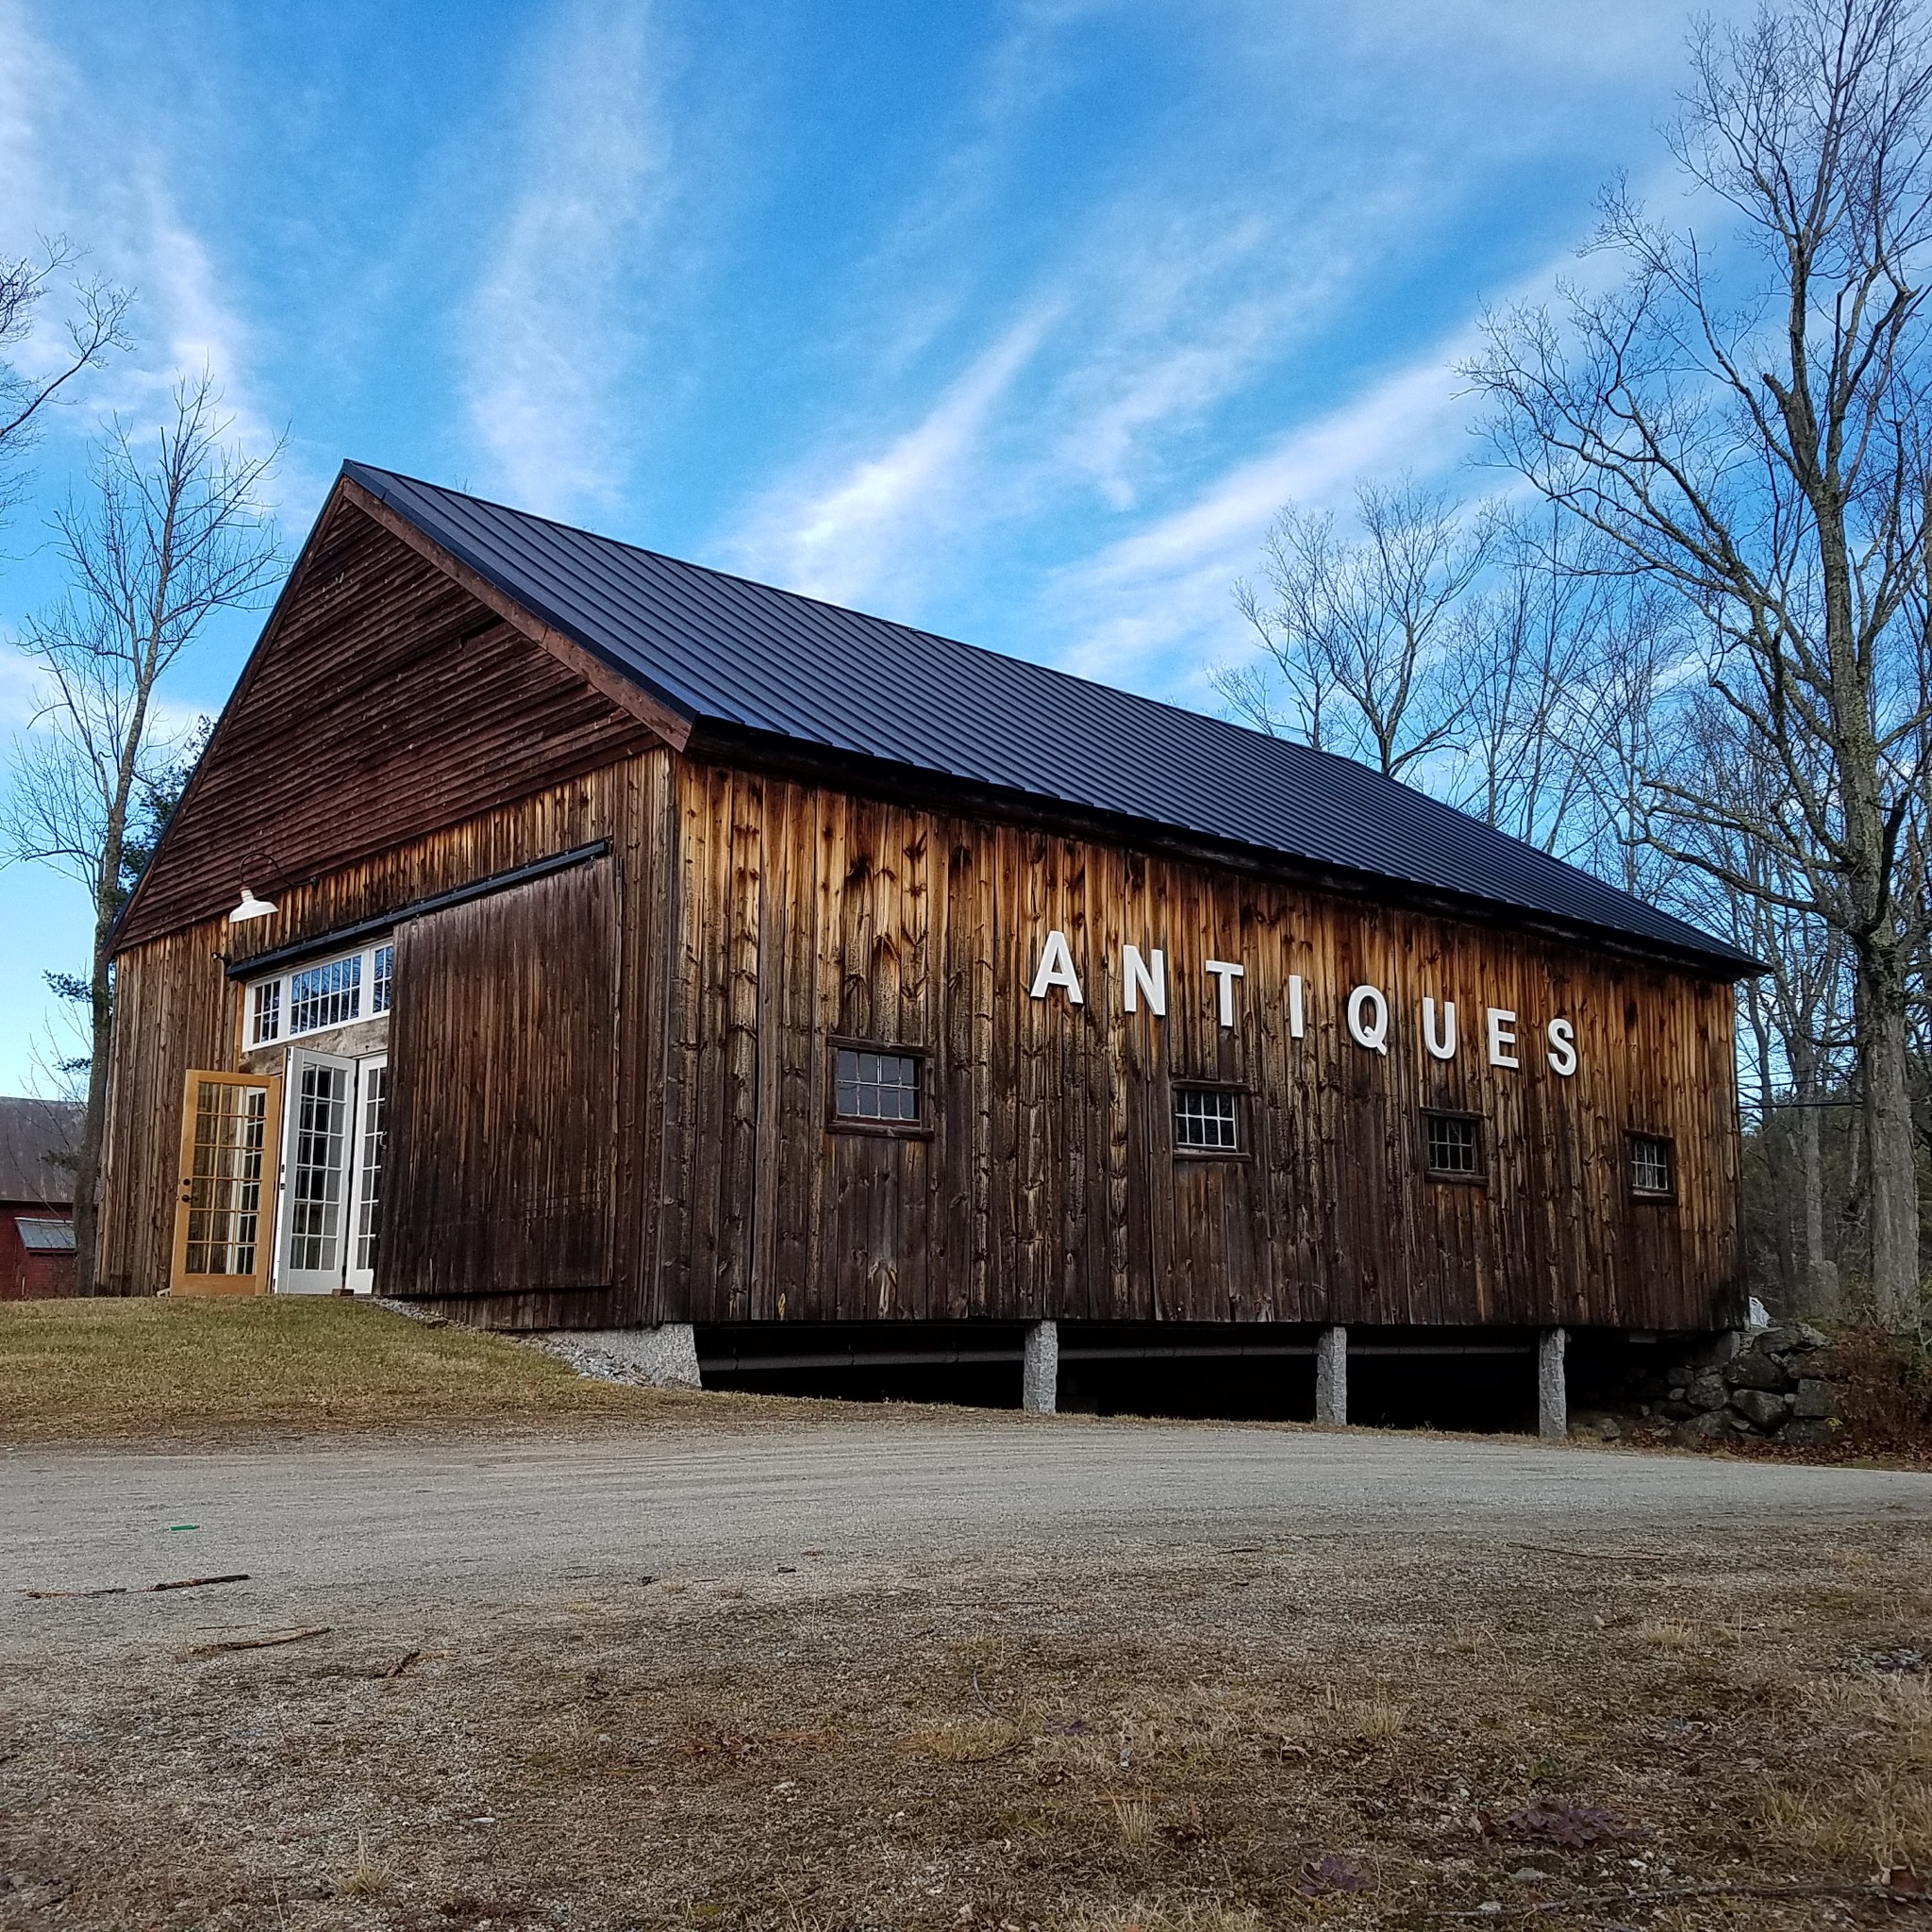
x,y
611,1098
178,1008
1049,1183
501,1167
383,703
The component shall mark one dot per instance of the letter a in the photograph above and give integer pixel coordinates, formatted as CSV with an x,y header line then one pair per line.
x,y
1056,969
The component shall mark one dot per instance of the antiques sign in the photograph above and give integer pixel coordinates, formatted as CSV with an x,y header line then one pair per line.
x,y
1366,1011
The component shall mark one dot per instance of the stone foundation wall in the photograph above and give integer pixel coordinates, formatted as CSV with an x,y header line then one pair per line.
x,y
1779,1387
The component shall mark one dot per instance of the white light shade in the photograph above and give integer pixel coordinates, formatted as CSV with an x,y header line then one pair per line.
x,y
251,907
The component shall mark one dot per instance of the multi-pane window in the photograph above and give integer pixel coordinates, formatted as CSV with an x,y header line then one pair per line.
x,y
1650,1165
1205,1121
881,1086
315,1167
325,995
267,1015
375,1143
224,1203
331,992
1454,1145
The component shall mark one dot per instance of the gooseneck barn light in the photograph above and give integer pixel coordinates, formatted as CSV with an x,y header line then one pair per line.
x,y
251,907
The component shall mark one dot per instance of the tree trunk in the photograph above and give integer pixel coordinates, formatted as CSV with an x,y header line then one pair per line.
x,y
87,1168
1818,1277
1891,1166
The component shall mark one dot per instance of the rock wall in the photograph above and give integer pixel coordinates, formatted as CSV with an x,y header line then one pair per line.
x,y
1780,1386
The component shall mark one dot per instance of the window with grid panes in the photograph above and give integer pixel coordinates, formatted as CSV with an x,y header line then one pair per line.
x,y
382,979
1650,1165
325,995
1205,1121
1454,1145
268,1010
881,1086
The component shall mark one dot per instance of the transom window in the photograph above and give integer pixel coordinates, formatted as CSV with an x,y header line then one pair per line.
x,y
869,1086
1454,1145
331,992
1650,1166
1207,1119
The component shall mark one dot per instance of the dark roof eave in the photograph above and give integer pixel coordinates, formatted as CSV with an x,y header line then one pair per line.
x,y
725,740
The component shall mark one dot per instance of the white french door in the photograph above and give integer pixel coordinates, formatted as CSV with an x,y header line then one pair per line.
x,y
365,1179
315,1182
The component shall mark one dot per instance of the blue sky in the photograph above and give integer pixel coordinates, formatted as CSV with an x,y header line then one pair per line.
x,y
1015,322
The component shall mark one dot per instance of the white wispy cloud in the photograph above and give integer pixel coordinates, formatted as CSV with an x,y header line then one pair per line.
x,y
1165,592
549,338
127,221
844,531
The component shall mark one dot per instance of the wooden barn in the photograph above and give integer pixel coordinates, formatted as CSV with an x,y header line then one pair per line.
x,y
562,935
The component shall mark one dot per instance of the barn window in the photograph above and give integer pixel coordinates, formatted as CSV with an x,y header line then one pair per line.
x,y
267,1012
330,993
1652,1169
325,995
1454,1146
876,1087
1207,1119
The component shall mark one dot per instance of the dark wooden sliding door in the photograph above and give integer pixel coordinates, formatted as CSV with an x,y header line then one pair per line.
x,y
502,1095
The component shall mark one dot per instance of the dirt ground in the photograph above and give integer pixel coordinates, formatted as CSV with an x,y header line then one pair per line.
x,y
1388,1724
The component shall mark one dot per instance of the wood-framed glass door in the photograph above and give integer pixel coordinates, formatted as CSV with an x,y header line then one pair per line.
x,y
365,1179
224,1214
315,1187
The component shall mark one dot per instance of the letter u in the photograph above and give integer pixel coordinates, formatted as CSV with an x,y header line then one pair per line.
x,y
1444,1048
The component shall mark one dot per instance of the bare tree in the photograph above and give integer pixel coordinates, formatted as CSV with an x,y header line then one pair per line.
x,y
1357,634
94,330
172,529
1748,424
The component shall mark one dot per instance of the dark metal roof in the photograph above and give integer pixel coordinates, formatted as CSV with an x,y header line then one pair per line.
x,y
38,1138
722,650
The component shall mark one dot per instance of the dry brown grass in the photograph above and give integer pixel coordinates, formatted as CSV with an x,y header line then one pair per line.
x,y
1015,1751
129,1370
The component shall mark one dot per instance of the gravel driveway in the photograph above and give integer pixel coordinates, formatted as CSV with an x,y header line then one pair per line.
x,y
882,1492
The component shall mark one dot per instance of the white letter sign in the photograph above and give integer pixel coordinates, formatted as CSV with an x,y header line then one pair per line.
x,y
1563,1048
1371,1033
1502,1035
1227,973
1148,976
1297,1023
1056,969
1444,1048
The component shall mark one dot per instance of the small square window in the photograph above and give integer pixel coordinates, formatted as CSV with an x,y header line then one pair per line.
x,y
1651,1167
1455,1147
1207,1121
268,1011
881,1086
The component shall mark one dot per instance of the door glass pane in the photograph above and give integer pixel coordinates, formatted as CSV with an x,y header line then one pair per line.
x,y
374,1133
315,1170
224,1186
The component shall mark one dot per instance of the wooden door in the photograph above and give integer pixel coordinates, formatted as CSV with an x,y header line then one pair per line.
x,y
225,1214
315,1188
502,1089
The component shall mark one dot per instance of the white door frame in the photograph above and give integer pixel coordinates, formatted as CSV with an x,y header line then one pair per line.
x,y
327,1278
372,1085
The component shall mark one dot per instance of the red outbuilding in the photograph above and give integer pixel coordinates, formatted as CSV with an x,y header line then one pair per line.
x,y
38,1138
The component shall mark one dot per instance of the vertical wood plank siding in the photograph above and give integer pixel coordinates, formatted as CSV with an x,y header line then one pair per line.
x,y
1049,1183
750,920
384,704
177,1008
500,1174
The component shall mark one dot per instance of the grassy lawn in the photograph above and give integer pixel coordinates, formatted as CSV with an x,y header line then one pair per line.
x,y
196,1370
